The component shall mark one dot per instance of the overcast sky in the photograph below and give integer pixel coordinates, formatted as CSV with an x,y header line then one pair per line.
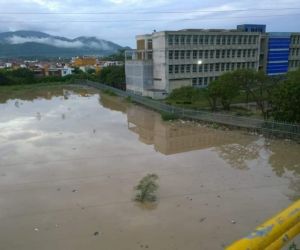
x,y
120,20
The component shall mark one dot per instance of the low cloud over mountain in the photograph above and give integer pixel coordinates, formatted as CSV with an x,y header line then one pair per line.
x,y
31,43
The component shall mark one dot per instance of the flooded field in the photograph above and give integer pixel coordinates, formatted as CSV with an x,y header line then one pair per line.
x,y
70,158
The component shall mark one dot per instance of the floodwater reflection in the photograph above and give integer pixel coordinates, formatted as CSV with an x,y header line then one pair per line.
x,y
70,158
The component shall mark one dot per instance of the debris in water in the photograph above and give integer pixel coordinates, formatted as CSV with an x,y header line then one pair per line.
x,y
233,221
36,229
96,233
202,219
58,189
74,190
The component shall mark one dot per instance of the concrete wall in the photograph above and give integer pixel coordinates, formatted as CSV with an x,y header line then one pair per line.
x,y
139,75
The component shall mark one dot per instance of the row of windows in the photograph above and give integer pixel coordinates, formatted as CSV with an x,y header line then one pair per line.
x,y
295,52
294,63
295,39
202,81
211,39
195,68
200,54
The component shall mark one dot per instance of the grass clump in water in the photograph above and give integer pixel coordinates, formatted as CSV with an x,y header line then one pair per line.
x,y
169,116
146,189
109,92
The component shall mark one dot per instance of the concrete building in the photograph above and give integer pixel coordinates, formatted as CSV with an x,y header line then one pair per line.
x,y
167,60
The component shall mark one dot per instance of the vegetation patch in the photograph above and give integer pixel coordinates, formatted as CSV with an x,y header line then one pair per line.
x,y
109,92
146,189
169,116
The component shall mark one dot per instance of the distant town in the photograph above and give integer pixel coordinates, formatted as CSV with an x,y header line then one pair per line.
x,y
59,67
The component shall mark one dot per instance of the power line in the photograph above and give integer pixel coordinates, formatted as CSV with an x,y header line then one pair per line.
x,y
146,20
146,12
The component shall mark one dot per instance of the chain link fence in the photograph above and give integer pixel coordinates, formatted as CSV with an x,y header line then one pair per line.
x,y
286,130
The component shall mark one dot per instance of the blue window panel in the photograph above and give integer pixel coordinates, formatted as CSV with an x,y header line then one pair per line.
x,y
276,72
279,53
278,58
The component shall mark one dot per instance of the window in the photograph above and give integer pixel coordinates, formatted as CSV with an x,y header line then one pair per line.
x,y
176,69
182,53
182,68
239,40
188,68
188,54
249,52
206,39
170,54
222,66
211,67
253,65
195,40
245,40
205,67
253,53
243,65
194,81
228,40
176,40
170,69
217,67
233,53
182,40
212,40
238,66
218,53
200,81
211,53
223,40
239,52
200,68
176,54
232,66
206,54
200,54
205,81
244,52
194,68
233,40
200,40
228,53
188,40
218,40
227,66
223,54
195,54
170,39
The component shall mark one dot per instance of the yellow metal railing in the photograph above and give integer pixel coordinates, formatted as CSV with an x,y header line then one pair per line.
x,y
273,234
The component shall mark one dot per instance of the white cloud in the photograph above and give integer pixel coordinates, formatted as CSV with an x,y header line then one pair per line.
x,y
48,4
47,40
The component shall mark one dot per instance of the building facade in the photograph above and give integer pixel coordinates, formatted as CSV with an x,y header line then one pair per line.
x,y
164,61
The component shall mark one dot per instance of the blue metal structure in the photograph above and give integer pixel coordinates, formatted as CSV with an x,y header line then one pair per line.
x,y
278,53
252,28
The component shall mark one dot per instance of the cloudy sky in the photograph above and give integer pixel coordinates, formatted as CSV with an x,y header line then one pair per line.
x,y
120,20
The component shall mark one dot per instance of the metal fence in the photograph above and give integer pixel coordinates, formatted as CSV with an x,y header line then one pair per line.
x,y
286,130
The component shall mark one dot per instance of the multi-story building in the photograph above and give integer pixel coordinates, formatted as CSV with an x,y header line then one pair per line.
x,y
167,60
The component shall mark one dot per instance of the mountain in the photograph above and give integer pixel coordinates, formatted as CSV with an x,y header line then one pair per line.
x,y
38,44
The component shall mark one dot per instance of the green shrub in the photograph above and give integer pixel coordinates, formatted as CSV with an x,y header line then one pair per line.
x,y
146,189
109,92
168,116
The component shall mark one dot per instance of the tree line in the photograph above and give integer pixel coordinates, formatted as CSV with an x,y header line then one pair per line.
x,y
276,97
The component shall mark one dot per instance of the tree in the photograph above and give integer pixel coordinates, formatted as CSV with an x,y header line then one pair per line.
x,y
226,88
146,188
286,99
113,75
258,86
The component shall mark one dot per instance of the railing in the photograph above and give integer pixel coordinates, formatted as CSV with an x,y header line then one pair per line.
x,y
273,234
286,130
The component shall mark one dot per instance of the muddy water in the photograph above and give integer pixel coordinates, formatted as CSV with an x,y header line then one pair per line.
x,y
69,160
